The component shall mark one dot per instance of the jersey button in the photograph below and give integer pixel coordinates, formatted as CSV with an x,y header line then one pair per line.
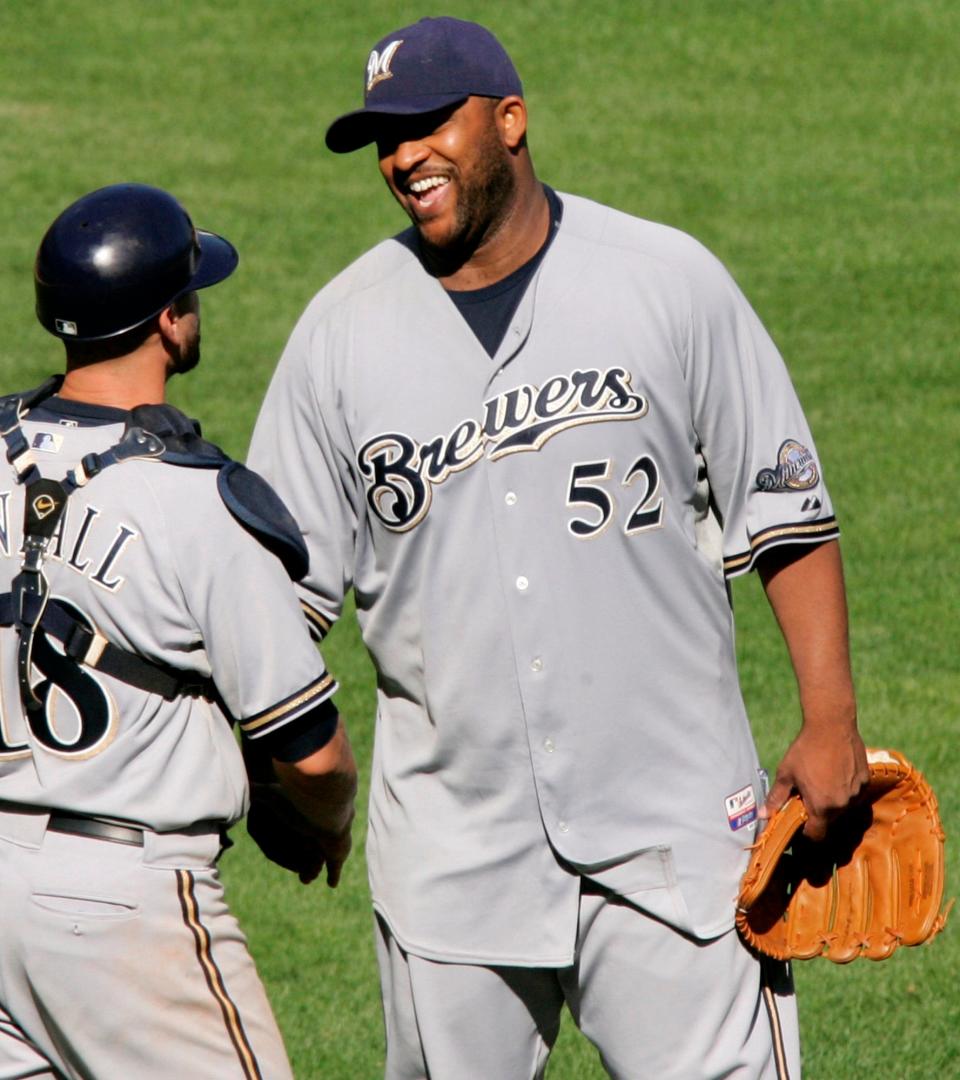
x,y
548,745
510,498
563,827
522,583
536,664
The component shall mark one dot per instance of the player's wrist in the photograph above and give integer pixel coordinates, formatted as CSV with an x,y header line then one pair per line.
x,y
829,709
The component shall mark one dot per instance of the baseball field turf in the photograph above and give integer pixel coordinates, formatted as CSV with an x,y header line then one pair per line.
x,y
813,145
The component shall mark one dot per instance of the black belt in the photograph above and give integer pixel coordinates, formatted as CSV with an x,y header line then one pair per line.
x,y
102,830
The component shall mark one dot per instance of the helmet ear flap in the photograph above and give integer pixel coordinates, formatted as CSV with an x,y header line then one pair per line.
x,y
117,257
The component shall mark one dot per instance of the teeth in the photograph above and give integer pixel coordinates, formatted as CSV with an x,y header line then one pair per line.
x,y
418,187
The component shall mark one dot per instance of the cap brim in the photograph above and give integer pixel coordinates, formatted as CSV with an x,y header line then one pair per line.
x,y
359,128
218,260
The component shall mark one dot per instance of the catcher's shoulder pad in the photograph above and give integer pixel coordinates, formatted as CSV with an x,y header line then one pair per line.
x,y
248,497
27,399
876,882
183,443
257,507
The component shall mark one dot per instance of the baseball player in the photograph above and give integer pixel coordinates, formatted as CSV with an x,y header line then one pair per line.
x,y
145,605
538,437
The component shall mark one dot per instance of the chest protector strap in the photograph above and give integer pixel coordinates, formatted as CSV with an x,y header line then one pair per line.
x,y
153,431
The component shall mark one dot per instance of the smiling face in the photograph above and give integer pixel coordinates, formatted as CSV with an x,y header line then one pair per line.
x,y
453,171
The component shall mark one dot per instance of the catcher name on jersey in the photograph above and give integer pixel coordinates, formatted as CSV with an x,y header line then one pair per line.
x,y
92,551
400,472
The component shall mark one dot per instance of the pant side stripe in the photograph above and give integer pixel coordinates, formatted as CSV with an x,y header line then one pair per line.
x,y
214,980
776,1032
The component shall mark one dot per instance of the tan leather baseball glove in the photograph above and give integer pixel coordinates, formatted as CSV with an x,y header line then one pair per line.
x,y
876,882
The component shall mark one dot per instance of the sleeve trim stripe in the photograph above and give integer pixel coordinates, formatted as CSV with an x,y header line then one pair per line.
x,y
816,531
286,710
319,624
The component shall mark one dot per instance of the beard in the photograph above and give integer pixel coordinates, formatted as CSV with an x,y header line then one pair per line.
x,y
486,197
484,201
189,356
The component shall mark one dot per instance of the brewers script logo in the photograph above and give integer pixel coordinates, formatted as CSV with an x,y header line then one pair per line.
x,y
795,470
400,473
378,64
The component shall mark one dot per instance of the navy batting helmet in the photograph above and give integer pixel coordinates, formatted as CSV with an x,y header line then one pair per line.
x,y
117,257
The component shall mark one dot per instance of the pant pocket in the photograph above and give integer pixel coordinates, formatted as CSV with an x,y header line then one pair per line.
x,y
96,906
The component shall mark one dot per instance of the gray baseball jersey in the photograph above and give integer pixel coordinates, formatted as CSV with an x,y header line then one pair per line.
x,y
540,547
149,556
113,798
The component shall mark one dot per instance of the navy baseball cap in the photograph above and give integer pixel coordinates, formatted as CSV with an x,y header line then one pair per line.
x,y
423,67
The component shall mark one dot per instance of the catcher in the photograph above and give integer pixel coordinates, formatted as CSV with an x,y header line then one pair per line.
x,y
873,883
144,602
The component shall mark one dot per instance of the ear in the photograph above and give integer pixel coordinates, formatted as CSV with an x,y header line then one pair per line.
x,y
170,320
511,117
168,323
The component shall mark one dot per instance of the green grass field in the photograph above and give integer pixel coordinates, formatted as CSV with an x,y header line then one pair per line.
x,y
811,144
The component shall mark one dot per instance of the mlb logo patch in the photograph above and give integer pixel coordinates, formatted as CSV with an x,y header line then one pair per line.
x,y
741,808
47,442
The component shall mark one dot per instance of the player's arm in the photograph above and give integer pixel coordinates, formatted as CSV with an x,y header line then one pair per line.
x,y
301,446
322,787
303,782
826,762
273,681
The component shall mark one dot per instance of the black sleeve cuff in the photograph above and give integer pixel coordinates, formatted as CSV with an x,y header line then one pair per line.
x,y
301,737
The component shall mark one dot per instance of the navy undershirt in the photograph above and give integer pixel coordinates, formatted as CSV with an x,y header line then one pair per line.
x,y
488,311
58,410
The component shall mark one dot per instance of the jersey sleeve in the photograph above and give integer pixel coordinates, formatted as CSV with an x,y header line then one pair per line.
x,y
766,480
266,667
300,446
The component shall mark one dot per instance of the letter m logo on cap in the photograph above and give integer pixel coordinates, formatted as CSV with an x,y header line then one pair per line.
x,y
378,64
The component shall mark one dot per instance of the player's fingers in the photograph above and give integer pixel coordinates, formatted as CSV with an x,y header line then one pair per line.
x,y
815,827
307,876
781,790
